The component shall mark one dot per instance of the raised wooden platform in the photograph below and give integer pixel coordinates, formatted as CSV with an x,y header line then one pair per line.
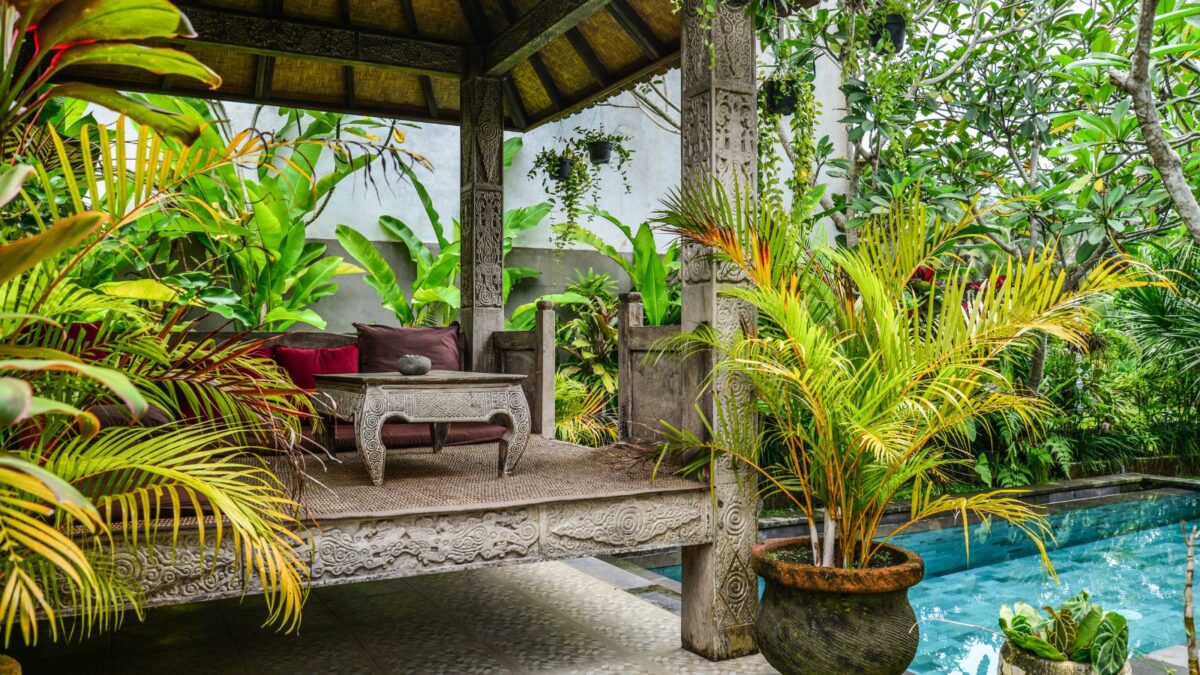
x,y
446,511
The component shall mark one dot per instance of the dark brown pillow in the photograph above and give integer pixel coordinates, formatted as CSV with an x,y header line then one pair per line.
x,y
379,347
116,415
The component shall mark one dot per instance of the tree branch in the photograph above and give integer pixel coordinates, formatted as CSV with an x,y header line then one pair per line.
x,y
1137,84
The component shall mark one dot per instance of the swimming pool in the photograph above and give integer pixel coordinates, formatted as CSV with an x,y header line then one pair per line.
x,y
1129,554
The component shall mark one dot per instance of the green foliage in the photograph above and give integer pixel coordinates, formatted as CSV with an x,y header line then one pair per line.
x,y
74,494
1079,630
97,33
582,412
587,332
586,137
566,174
434,297
652,274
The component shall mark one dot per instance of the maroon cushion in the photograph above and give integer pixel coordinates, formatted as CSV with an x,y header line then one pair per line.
x,y
379,347
404,435
303,364
116,415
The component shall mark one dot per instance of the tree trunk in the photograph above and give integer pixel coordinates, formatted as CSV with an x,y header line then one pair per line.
x,y
1037,365
1189,621
1137,83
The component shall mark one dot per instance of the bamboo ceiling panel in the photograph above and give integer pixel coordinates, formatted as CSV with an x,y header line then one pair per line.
x,y
404,58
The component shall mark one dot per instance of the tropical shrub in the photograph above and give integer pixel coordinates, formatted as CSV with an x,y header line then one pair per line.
x,y
1079,630
867,394
434,298
651,273
582,413
587,332
59,34
76,493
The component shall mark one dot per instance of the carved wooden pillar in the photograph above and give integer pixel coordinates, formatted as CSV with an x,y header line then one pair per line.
x,y
719,129
481,137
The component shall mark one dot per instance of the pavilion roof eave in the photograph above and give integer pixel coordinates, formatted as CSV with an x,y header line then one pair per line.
x,y
555,57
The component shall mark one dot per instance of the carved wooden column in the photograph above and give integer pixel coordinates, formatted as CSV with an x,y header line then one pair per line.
x,y
481,137
719,128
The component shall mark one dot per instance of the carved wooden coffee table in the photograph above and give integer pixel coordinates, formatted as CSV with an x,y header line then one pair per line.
x,y
438,398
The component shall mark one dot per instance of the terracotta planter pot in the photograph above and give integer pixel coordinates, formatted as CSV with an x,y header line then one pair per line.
x,y
836,621
1015,661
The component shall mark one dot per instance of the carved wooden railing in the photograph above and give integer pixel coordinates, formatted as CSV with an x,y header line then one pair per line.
x,y
650,388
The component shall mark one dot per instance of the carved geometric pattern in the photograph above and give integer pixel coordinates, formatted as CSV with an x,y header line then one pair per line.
x,y
429,541
736,532
624,524
697,135
362,549
735,131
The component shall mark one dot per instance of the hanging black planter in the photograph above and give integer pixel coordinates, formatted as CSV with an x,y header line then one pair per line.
x,y
779,97
563,171
600,151
895,26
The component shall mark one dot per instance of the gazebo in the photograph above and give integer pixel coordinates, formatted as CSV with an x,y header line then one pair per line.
x,y
491,65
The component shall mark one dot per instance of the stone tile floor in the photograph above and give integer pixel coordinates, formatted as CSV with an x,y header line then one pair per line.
x,y
547,617
582,616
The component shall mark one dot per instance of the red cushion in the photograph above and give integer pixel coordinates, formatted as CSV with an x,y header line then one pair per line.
x,y
303,364
379,347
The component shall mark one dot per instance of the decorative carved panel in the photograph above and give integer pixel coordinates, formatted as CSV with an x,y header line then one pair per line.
x,y
264,35
482,141
580,529
361,549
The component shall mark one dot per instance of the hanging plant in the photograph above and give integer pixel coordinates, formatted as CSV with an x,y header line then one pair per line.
x,y
567,177
600,147
780,94
890,25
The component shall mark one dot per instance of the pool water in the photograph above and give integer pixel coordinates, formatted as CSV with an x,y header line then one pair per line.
x,y
1130,555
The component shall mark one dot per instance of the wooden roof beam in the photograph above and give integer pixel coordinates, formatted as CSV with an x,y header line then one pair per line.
x,y
637,29
269,36
547,21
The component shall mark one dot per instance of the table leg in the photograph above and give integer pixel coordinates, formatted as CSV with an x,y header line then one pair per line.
x,y
438,431
368,435
512,445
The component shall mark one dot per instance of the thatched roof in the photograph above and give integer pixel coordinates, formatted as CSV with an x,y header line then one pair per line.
x,y
404,58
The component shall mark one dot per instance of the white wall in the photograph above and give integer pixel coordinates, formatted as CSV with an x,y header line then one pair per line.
x,y
653,170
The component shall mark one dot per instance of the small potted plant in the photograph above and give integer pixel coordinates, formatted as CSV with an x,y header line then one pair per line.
x,y
567,177
600,145
1078,638
891,19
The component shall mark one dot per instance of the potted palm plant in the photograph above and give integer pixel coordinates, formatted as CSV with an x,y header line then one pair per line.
x,y
1078,638
865,391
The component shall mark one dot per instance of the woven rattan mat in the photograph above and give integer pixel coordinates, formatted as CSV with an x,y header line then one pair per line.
x,y
463,478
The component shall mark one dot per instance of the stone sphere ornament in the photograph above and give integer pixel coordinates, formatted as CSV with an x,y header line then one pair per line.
x,y
413,364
